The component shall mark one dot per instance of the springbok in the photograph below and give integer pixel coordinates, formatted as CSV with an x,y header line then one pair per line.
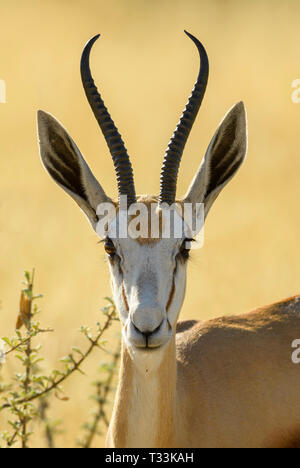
x,y
227,382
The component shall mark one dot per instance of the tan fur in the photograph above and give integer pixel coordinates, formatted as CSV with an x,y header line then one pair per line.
x,y
118,429
230,382
125,298
286,440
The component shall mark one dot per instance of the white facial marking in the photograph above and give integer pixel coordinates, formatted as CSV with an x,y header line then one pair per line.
x,y
148,281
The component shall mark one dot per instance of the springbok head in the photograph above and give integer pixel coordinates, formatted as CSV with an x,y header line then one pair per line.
x,y
148,274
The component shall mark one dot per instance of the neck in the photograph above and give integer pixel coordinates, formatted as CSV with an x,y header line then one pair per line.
x,y
144,408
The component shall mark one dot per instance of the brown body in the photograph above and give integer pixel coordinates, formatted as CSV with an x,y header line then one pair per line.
x,y
231,384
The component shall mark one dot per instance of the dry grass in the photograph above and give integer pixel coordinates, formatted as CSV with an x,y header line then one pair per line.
x,y
146,67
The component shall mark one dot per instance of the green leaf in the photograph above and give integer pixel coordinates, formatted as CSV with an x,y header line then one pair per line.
x,y
27,276
77,350
6,340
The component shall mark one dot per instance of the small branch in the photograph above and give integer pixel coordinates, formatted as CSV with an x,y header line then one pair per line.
x,y
102,399
10,442
25,341
76,366
48,431
23,419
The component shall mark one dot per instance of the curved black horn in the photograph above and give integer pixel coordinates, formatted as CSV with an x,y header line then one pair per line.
x,y
112,136
169,172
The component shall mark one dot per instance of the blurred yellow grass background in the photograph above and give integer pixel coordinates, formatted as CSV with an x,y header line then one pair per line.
x,y
145,68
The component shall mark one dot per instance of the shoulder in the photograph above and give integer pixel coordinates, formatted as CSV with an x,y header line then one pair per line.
x,y
261,324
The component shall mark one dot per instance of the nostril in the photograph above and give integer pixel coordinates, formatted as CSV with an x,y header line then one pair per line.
x,y
136,328
157,328
147,333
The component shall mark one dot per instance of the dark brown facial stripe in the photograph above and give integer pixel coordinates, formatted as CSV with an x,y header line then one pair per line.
x,y
125,298
172,292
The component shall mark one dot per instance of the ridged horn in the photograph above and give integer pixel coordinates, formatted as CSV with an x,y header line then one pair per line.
x,y
113,138
170,167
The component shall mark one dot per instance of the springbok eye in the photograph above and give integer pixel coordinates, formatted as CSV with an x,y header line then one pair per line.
x,y
185,248
109,247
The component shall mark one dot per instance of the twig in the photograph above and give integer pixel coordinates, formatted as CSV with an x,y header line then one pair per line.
x,y
102,399
23,419
76,366
48,432
12,439
25,341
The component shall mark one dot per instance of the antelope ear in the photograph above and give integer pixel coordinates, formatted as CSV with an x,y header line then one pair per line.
x,y
65,164
224,156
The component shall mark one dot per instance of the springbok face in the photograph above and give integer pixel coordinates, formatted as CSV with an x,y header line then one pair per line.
x,y
148,280
148,274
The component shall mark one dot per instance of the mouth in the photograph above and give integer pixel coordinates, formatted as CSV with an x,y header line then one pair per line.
x,y
148,344
147,348
144,347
